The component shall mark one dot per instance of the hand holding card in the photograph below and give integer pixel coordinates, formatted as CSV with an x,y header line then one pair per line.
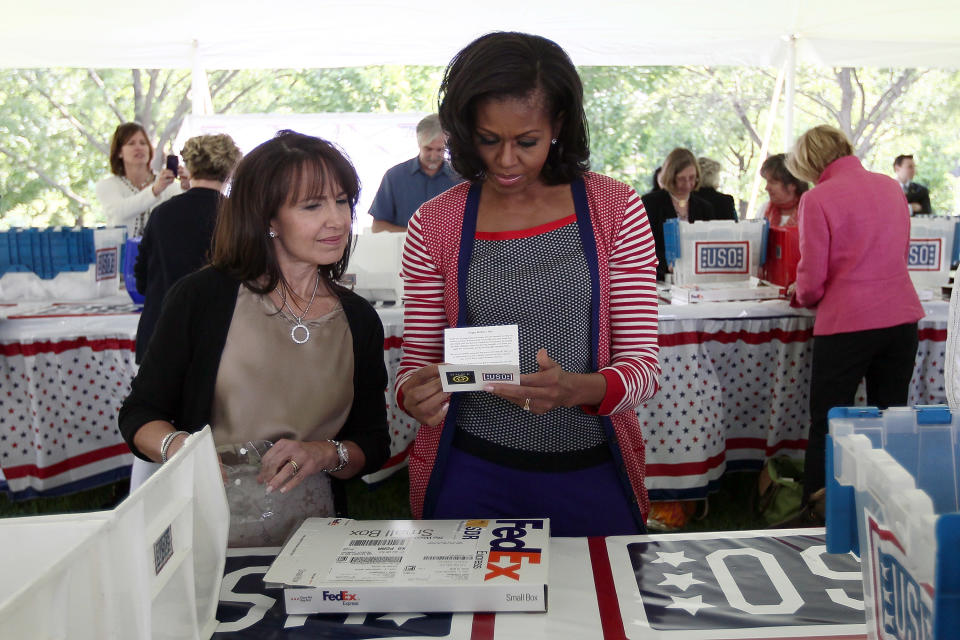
x,y
478,356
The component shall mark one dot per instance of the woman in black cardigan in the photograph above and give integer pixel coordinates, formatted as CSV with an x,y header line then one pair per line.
x,y
679,177
265,344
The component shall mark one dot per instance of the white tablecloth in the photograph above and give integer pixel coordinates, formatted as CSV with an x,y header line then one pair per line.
x,y
735,390
65,369
735,383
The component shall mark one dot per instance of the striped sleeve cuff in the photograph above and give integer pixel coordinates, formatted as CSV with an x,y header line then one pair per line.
x,y
613,397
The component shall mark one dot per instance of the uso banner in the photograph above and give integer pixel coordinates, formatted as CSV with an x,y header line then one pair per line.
x,y
697,586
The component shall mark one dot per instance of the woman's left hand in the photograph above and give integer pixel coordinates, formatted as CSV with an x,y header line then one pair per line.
x,y
287,462
549,388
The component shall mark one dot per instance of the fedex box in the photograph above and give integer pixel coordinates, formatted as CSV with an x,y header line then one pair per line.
x,y
339,565
714,250
893,496
931,251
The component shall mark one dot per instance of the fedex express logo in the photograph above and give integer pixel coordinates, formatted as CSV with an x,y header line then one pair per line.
x,y
904,607
340,596
924,254
722,257
508,549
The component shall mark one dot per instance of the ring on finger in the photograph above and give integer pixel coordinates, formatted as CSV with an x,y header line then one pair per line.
x,y
296,467
526,404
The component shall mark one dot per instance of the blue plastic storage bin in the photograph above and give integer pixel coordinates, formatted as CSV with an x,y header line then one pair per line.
x,y
59,263
130,251
893,497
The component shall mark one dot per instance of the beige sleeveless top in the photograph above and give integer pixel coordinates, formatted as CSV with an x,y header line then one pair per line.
x,y
269,387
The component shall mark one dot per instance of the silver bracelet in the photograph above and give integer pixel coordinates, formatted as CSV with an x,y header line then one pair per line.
x,y
342,454
167,441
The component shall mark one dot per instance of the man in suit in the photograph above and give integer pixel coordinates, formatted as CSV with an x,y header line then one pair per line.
x,y
918,197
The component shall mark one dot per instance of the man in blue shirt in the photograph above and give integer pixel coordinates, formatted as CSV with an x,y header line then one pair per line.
x,y
409,184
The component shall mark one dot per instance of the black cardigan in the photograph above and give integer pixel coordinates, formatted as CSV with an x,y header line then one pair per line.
x,y
660,209
179,370
175,242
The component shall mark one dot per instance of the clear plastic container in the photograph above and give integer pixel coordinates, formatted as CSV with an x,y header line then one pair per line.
x,y
261,519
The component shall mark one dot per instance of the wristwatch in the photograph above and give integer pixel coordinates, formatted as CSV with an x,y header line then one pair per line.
x,y
342,454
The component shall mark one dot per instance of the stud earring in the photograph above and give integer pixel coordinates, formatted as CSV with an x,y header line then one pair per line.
x,y
553,141
272,234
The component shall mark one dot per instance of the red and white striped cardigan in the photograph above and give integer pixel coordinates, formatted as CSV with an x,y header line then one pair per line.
x,y
624,266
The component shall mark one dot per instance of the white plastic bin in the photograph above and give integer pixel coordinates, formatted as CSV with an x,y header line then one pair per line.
x,y
931,251
375,267
893,496
101,278
151,568
714,250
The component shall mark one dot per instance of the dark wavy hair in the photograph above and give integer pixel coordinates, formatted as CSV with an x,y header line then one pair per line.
x,y
287,168
515,65
775,168
123,133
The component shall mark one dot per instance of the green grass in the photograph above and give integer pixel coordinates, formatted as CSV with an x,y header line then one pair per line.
x,y
105,497
730,508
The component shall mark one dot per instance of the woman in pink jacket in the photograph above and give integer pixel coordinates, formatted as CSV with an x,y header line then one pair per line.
x,y
854,237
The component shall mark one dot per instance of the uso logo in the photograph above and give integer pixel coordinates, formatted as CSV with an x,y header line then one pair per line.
x,y
460,377
722,257
106,263
498,377
924,254
904,606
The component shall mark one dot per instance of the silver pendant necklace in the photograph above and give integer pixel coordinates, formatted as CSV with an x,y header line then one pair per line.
x,y
299,326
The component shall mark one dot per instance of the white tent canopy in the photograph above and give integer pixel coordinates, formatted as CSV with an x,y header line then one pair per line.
x,y
237,34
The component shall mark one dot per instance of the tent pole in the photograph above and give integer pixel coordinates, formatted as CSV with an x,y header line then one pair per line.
x,y
771,119
199,88
790,93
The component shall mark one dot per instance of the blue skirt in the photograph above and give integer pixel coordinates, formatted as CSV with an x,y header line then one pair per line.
x,y
583,502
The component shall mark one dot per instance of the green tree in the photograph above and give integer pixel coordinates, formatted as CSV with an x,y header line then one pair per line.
x,y
55,124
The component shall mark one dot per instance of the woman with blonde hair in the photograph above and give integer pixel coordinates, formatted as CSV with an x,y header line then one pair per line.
x,y
679,177
854,237
724,205
177,237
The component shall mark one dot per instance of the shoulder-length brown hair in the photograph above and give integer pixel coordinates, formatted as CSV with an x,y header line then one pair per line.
x,y
678,160
515,65
123,133
286,169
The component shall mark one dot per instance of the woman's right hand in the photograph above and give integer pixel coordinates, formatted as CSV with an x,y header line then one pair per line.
x,y
424,399
164,180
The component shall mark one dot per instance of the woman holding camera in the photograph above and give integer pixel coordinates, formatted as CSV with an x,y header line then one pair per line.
x,y
134,190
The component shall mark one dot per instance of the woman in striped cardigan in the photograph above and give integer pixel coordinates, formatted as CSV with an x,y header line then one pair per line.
x,y
536,240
